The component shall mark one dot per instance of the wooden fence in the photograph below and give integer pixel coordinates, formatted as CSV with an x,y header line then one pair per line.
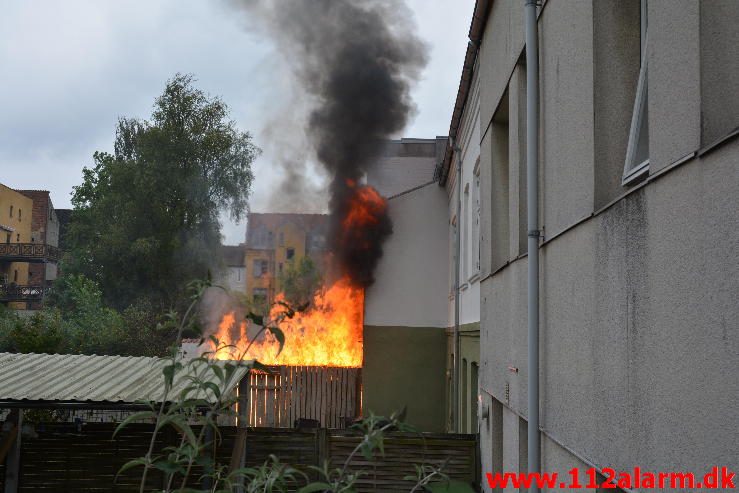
x,y
331,396
61,458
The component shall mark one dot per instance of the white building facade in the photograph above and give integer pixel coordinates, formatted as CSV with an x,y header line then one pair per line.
x,y
638,194
463,321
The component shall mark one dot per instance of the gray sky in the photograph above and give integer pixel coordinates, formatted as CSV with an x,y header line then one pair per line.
x,y
69,69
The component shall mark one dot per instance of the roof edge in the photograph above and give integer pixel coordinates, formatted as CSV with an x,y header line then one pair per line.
x,y
477,27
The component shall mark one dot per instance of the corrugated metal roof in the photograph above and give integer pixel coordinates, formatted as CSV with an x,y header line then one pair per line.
x,y
92,379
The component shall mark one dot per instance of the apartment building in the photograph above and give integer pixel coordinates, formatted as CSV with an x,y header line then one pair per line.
x,y
638,196
273,241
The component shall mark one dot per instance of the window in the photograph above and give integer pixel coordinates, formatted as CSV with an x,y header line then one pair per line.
x,y
637,151
15,275
476,220
259,295
8,238
20,212
18,237
498,192
261,267
474,396
280,267
289,253
463,397
466,232
11,211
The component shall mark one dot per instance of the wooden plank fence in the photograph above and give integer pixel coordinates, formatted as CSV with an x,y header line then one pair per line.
x,y
329,395
62,458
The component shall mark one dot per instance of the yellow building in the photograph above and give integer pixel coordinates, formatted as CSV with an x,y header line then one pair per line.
x,y
15,231
273,241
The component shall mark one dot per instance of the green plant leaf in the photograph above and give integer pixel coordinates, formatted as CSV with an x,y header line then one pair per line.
x,y
132,418
256,319
280,336
218,371
129,465
213,388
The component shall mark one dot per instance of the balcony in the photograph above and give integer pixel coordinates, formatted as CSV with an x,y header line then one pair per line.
x,y
14,292
28,252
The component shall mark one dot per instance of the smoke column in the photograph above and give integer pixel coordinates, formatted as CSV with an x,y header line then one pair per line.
x,y
355,60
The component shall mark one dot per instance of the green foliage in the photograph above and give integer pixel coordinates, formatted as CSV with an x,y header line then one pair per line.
x,y
300,280
146,217
76,320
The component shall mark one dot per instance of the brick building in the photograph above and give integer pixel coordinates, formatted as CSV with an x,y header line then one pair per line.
x,y
44,230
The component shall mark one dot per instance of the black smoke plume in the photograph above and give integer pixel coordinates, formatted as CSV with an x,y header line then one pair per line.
x,y
356,60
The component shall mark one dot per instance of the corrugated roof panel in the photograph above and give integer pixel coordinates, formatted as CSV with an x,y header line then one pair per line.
x,y
94,379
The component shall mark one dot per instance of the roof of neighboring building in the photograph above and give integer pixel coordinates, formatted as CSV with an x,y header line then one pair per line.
x,y
233,255
406,164
477,27
66,379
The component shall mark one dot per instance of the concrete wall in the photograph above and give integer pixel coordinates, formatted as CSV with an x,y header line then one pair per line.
x,y
404,367
406,164
406,313
639,340
410,288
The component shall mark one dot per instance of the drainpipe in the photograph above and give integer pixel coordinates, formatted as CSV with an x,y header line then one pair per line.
x,y
532,209
458,250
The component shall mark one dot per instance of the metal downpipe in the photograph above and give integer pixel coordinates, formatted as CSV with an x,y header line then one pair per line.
x,y
458,256
532,209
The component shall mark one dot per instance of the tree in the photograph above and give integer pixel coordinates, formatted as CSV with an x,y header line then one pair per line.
x,y
300,281
145,218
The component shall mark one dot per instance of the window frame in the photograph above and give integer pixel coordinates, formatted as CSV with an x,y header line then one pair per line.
x,y
634,171
476,220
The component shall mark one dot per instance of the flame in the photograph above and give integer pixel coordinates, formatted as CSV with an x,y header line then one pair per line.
x,y
365,206
328,333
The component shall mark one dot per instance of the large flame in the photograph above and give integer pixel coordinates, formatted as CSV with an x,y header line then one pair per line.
x,y
366,206
328,333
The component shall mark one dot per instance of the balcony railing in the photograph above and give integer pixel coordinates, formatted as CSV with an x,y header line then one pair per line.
x,y
15,292
28,252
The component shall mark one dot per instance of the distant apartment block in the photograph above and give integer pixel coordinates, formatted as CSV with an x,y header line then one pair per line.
x,y
29,247
274,241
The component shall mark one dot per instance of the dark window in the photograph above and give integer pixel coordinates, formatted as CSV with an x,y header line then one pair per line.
x,y
11,211
261,267
18,237
290,253
259,295
7,238
15,276
20,212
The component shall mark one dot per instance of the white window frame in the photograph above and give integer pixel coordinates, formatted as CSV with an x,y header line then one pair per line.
x,y
476,219
633,170
466,233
